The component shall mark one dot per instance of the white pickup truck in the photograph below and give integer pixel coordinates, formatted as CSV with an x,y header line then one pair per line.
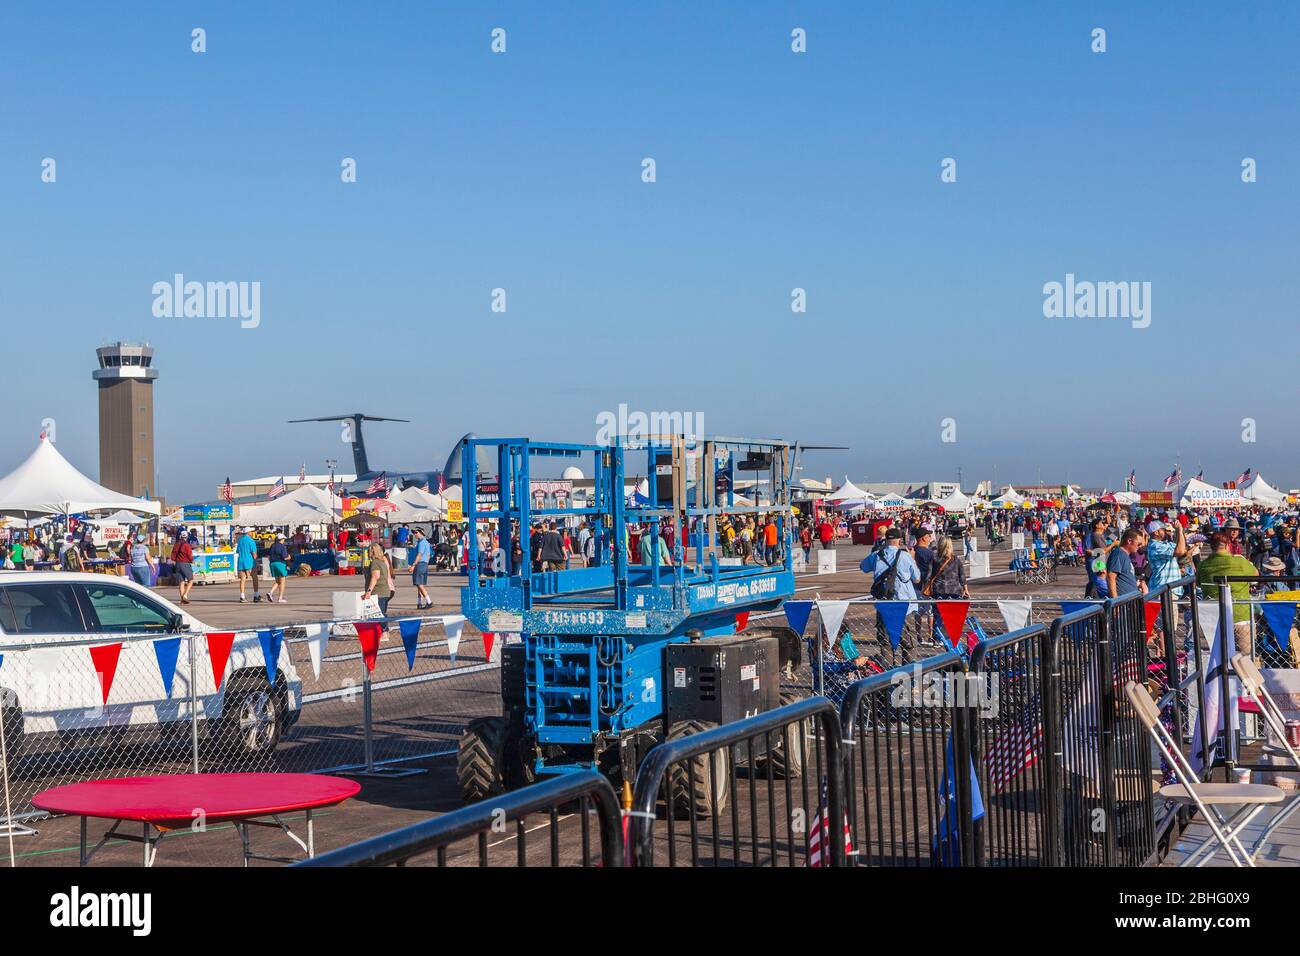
x,y
50,619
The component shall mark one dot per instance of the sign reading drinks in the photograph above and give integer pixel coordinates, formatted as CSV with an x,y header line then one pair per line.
x,y
1156,499
1213,498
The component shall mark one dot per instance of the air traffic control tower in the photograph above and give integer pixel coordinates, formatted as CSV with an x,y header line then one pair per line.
x,y
126,376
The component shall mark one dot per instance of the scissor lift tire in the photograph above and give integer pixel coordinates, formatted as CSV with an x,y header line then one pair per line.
x,y
480,759
701,784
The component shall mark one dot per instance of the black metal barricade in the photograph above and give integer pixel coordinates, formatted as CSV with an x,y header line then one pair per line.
x,y
1009,740
499,827
908,770
764,791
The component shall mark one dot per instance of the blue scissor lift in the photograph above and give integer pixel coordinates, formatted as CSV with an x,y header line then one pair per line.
x,y
600,663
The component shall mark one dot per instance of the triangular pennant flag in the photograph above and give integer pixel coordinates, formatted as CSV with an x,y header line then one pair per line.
x,y
219,644
452,627
953,614
1207,615
104,657
488,638
271,638
893,613
167,649
410,628
1015,613
797,612
318,637
832,613
1151,610
1069,607
1280,615
742,620
368,635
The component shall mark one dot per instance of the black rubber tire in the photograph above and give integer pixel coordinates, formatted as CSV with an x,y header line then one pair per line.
x,y
252,719
480,759
15,739
786,758
705,788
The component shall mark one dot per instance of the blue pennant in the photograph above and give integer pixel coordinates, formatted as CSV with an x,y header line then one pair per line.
x,y
167,649
410,628
1280,615
893,613
1069,607
271,638
796,612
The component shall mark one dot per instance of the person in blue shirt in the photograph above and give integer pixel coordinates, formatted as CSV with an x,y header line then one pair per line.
x,y
1164,552
1121,578
246,565
420,570
906,577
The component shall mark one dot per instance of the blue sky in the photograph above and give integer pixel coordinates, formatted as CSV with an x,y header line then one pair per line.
x,y
775,170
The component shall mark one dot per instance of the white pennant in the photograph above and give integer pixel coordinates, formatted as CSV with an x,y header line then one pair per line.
x,y
832,614
317,637
1015,613
452,626
1207,613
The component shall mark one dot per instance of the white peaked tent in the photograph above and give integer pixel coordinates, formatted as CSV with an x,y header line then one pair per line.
x,y
954,502
1260,492
414,506
46,483
848,492
1009,497
305,505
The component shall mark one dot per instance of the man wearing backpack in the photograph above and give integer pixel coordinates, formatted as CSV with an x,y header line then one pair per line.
x,y
894,578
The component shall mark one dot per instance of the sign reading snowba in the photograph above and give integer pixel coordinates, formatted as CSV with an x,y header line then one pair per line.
x,y
1213,498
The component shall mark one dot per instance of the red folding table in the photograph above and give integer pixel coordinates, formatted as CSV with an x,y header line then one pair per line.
x,y
169,802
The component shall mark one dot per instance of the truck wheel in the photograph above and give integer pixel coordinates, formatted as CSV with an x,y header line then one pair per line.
x,y
251,719
791,744
698,785
12,715
481,758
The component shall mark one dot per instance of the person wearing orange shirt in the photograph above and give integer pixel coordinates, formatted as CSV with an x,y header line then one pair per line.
x,y
770,550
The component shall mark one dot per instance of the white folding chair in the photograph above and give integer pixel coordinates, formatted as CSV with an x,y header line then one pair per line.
x,y
1250,799
1252,682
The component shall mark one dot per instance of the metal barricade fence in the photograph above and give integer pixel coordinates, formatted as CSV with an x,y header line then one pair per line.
x,y
499,829
101,706
764,791
908,771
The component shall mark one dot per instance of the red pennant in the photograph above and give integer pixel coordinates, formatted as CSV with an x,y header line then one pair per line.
x,y
1152,611
219,644
953,614
104,657
742,620
488,640
368,635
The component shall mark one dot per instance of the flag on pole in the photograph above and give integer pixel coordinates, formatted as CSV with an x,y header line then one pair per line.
x,y
1175,476
442,482
277,489
820,831
228,490
302,474
1132,480
378,485
1243,477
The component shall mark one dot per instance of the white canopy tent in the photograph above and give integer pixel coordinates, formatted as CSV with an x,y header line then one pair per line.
x,y
416,506
848,492
46,483
954,502
1008,497
118,517
1259,492
305,505
1201,494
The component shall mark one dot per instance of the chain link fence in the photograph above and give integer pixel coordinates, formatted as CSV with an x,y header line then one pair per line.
x,y
364,697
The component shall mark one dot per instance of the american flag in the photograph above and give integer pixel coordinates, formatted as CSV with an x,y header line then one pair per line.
x,y
228,490
1200,474
1017,747
1132,479
821,828
1243,477
378,485
302,474
277,489
442,482
1175,476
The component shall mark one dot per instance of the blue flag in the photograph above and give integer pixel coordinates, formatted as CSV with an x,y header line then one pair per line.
x,y
945,847
1280,615
271,638
1069,607
167,649
796,612
893,613
410,628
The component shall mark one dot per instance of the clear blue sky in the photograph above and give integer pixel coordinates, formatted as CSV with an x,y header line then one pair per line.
x,y
775,170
